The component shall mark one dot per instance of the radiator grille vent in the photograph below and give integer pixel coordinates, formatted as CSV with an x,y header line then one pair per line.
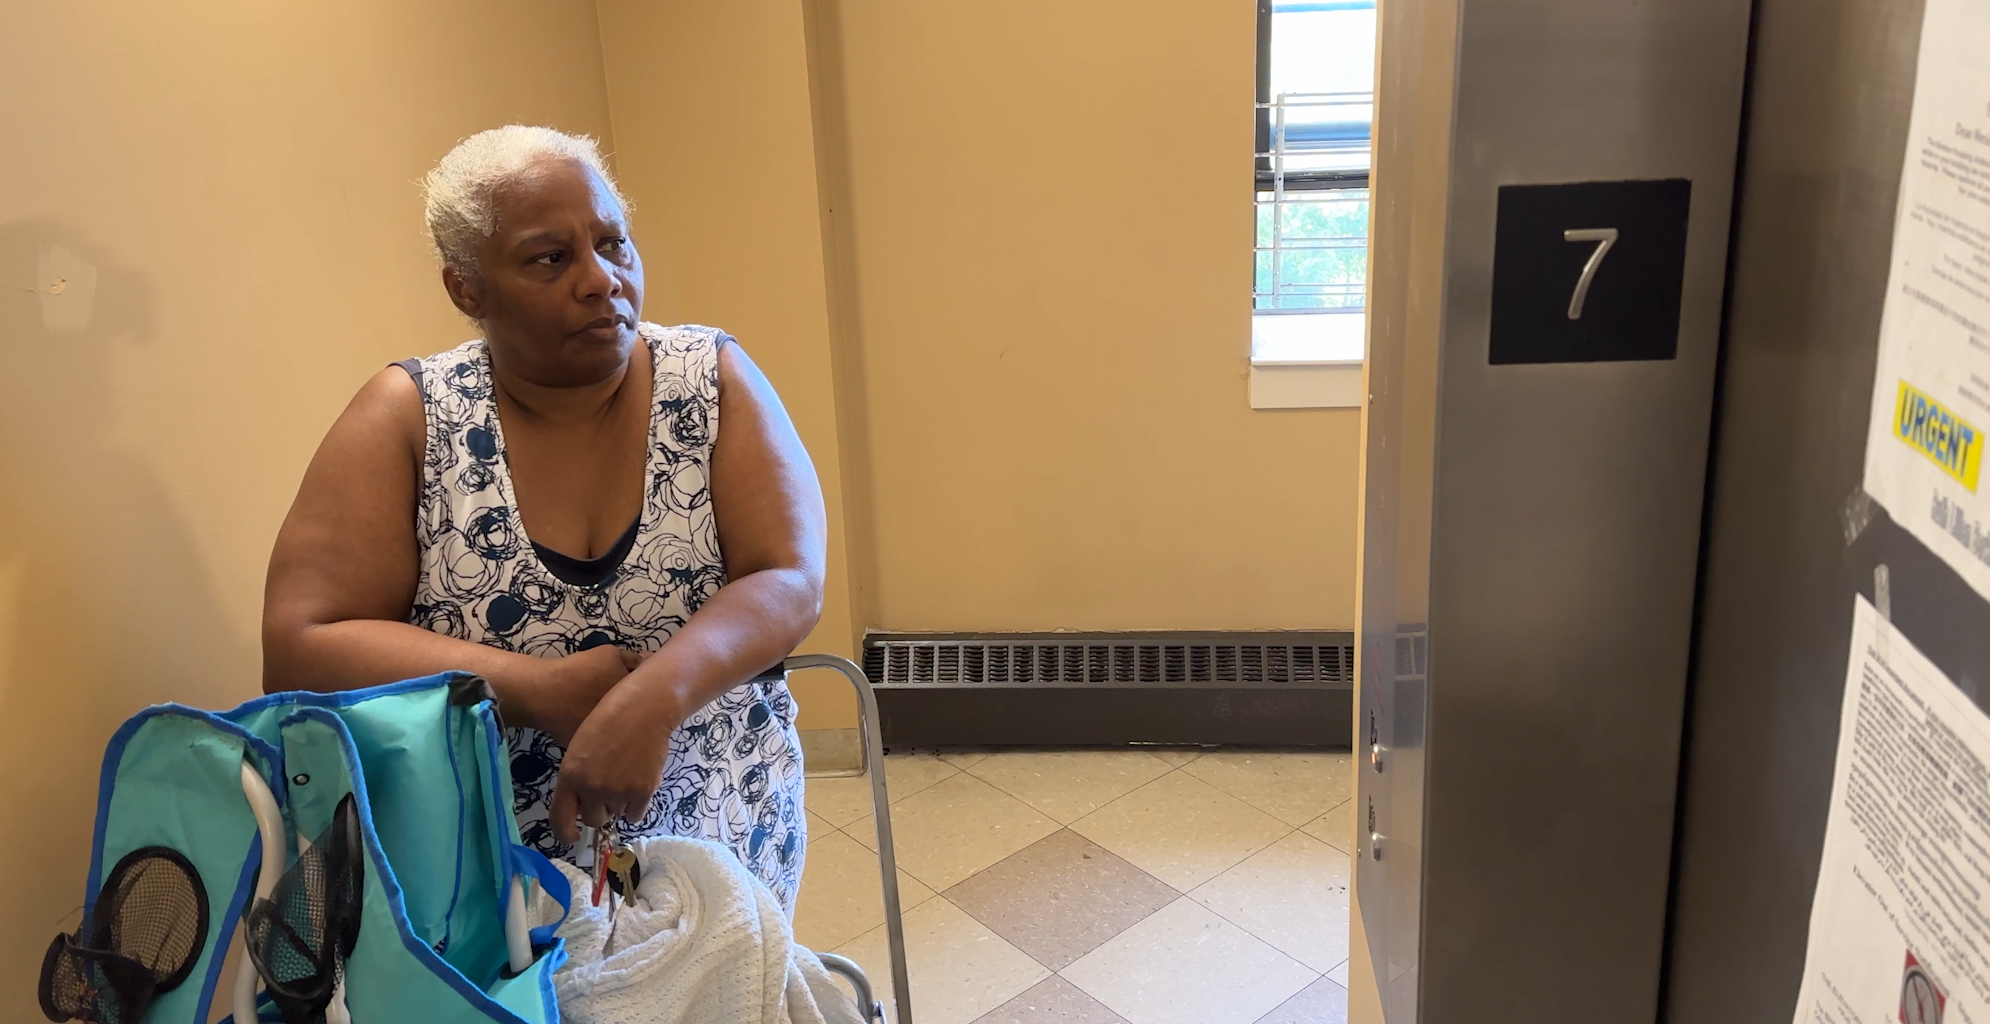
x,y
1110,659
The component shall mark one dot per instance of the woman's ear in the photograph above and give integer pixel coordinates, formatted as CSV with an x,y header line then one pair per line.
x,y
464,292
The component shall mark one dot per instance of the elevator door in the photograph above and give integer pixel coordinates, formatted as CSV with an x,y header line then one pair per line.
x,y
1786,548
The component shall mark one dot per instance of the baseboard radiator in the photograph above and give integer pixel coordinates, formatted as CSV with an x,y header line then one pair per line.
x,y
1270,689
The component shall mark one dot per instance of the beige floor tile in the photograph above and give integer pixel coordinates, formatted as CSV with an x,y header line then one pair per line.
x,y
842,801
838,801
840,895
1060,898
965,758
907,774
1294,788
1175,756
1339,974
1322,1002
959,969
865,830
1335,828
1069,784
1181,830
1185,965
1292,894
818,825
1052,1001
954,828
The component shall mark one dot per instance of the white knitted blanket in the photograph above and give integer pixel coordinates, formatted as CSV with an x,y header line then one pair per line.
x,y
705,943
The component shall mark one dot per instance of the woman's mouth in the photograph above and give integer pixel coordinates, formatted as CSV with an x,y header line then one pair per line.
x,y
607,328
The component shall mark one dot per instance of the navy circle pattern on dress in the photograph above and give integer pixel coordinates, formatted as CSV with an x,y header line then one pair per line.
x,y
734,772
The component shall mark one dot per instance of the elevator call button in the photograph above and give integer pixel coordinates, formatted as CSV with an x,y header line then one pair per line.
x,y
1589,271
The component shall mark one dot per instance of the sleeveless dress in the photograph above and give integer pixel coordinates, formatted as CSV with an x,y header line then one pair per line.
x,y
734,771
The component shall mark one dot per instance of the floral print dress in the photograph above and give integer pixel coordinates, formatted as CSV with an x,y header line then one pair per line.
x,y
734,772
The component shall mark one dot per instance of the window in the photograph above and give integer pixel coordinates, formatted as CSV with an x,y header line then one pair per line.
x,y
1315,115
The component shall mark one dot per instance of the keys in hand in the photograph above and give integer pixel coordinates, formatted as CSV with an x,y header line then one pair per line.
x,y
624,873
600,865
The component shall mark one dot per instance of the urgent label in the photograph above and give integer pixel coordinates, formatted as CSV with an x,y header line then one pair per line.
x,y
1948,440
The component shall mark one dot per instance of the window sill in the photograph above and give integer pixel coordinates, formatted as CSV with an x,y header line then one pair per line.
x,y
1307,360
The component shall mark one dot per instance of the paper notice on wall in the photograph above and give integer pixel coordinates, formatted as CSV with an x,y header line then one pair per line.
x,y
1898,928
1931,396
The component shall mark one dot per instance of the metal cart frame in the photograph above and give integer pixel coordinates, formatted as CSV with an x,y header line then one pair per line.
x,y
871,745
269,820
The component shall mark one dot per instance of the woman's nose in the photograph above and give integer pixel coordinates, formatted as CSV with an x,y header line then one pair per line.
x,y
598,277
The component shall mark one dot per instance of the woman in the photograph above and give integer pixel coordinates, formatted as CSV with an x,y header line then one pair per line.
x,y
612,522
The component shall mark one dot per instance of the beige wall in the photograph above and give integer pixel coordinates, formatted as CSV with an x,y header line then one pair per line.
x,y
714,143
1049,224
995,256
240,175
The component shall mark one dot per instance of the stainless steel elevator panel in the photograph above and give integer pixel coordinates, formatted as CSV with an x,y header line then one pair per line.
x,y
1530,529
1831,84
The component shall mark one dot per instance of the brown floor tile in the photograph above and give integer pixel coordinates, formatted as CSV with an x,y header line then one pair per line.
x,y
1322,1002
1054,1001
1061,897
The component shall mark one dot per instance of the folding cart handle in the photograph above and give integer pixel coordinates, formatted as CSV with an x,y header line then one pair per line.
x,y
873,748
269,823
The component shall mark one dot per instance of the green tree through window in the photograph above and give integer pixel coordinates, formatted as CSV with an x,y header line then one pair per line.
x,y
1315,113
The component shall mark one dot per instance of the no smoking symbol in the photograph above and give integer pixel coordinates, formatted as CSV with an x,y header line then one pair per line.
x,y
1921,1000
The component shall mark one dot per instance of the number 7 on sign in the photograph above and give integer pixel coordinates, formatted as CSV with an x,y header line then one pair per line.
x,y
1604,239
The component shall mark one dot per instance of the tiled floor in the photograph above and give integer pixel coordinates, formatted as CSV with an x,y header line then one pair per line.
x,y
1096,887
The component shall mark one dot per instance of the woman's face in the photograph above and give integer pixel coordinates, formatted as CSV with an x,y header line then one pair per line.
x,y
559,286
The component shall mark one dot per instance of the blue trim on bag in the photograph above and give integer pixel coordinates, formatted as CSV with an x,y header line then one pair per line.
x,y
549,997
337,699
114,756
244,889
462,811
320,707
501,836
346,698
377,855
266,1011
524,860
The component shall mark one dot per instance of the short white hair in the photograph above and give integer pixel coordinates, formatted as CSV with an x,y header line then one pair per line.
x,y
460,193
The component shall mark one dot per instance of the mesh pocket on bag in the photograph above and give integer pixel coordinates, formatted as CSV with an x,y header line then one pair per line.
x,y
299,937
142,938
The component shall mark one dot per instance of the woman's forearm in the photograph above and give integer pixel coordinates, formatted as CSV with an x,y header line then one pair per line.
x,y
357,653
747,627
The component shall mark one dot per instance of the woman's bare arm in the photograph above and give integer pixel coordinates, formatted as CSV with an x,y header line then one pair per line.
x,y
343,572
774,532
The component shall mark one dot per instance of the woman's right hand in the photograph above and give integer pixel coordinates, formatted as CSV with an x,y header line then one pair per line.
x,y
565,690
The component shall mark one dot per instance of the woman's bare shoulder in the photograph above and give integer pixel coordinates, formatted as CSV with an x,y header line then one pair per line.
x,y
384,419
392,396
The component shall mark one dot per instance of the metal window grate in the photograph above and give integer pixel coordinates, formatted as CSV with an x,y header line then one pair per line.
x,y
1317,139
1312,202
1110,659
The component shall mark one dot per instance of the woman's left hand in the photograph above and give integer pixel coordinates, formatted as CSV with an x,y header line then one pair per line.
x,y
615,762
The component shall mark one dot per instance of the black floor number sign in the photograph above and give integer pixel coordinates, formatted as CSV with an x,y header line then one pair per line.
x,y
1589,271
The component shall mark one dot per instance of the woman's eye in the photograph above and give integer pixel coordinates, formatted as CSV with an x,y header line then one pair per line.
x,y
552,259
615,244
